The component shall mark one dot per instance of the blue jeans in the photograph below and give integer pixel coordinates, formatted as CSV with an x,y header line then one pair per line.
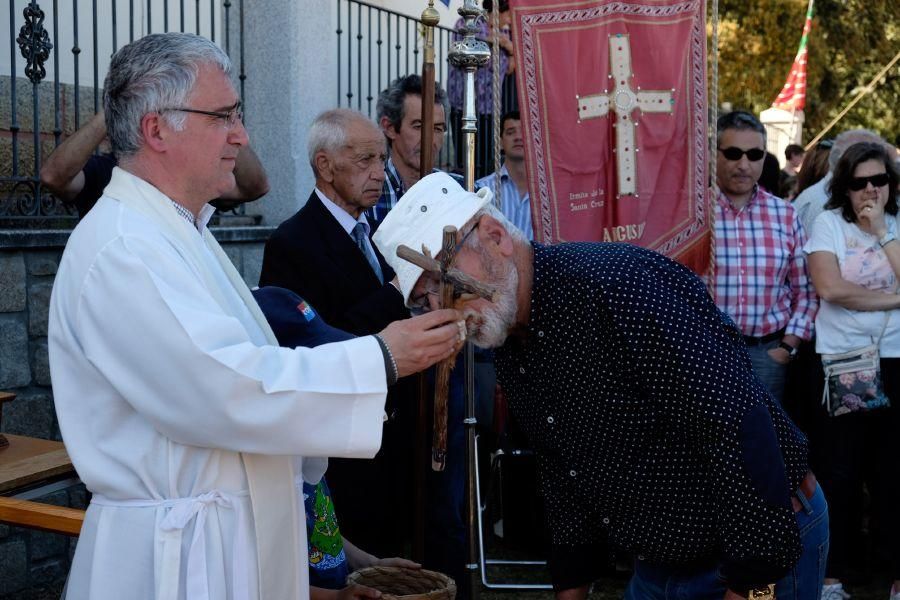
x,y
803,582
771,373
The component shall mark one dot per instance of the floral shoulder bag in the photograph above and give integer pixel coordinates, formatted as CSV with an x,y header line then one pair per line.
x,y
853,380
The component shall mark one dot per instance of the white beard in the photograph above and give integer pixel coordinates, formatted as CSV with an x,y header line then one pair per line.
x,y
492,324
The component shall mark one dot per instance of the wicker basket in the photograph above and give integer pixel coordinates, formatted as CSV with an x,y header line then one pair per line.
x,y
396,583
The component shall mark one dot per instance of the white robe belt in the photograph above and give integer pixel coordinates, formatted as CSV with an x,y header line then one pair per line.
x,y
181,511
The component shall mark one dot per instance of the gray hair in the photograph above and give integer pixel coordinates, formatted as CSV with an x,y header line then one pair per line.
x,y
149,75
847,139
740,120
391,99
491,210
328,132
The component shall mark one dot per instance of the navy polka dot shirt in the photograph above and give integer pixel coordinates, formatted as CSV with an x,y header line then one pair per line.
x,y
638,396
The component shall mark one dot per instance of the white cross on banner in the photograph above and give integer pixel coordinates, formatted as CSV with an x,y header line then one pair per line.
x,y
624,100
612,95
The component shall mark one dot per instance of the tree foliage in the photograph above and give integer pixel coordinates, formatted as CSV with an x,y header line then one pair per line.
x,y
850,42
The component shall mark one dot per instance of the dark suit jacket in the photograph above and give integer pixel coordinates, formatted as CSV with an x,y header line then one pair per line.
x,y
312,255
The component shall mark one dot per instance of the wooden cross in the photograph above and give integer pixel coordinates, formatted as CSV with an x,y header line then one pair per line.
x,y
454,285
624,101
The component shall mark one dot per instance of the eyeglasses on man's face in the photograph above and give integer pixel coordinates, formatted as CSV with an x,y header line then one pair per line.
x,y
229,117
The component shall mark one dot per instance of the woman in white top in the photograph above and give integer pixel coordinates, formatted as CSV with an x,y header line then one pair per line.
x,y
854,261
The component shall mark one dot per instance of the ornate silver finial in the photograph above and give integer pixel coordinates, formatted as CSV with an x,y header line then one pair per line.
x,y
470,52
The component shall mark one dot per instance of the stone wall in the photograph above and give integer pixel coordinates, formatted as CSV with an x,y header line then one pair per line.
x,y
28,264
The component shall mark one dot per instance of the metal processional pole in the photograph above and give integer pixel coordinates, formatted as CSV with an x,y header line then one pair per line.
x,y
469,54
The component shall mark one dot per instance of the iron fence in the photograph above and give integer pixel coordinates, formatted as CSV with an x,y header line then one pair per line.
x,y
51,74
376,45
63,48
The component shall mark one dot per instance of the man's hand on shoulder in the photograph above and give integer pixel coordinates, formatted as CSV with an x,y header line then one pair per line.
x,y
422,341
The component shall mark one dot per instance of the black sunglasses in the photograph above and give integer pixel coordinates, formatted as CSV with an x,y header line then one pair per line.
x,y
860,183
735,154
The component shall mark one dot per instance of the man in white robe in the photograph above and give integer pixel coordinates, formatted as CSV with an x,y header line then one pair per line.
x,y
180,412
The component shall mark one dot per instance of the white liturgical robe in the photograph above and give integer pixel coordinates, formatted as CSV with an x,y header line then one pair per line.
x,y
181,419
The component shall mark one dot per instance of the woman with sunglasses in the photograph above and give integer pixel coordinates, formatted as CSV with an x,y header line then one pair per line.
x,y
854,261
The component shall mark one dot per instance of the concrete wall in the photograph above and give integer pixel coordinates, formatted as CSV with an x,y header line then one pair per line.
x,y
290,83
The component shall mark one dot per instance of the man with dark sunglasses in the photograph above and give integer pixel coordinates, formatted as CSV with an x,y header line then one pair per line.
x,y
761,276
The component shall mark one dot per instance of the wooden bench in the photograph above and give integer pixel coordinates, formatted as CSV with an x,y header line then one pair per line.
x,y
30,466
33,467
46,517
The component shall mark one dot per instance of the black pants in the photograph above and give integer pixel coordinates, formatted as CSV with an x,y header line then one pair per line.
x,y
373,498
864,450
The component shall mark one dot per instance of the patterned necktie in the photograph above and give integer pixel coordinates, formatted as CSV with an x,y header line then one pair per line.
x,y
359,234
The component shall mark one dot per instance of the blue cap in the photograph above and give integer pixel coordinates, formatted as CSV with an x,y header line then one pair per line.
x,y
294,321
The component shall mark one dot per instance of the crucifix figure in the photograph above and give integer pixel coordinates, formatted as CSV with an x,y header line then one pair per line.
x,y
624,101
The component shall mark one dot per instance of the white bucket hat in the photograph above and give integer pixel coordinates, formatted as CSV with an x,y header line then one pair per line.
x,y
419,219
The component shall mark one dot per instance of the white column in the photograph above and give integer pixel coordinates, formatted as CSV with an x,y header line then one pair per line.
x,y
291,68
782,128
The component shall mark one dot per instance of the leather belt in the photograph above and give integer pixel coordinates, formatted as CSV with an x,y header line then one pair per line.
x,y
759,341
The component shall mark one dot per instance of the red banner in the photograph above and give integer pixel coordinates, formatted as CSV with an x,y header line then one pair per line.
x,y
613,105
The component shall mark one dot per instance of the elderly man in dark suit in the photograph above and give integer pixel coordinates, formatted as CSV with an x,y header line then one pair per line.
x,y
324,254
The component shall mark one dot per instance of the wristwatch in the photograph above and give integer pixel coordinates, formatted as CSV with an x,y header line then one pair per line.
x,y
792,352
886,239
766,592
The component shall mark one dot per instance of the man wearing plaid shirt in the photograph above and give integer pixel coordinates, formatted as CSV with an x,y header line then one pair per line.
x,y
761,276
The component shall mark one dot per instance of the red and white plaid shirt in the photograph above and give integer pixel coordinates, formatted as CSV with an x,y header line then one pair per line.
x,y
762,281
